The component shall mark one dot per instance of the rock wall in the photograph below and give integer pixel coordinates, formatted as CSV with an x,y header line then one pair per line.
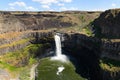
x,y
111,49
75,43
106,27
109,23
9,23
15,26
104,48
24,39
109,75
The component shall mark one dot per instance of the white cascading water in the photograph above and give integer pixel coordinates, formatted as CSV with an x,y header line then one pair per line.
x,y
58,45
59,56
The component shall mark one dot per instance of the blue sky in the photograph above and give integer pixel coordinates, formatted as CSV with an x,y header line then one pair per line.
x,y
58,5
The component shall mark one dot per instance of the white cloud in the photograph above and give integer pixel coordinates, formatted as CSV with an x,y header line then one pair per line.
x,y
46,1
97,9
63,8
51,1
51,10
46,6
71,8
19,3
114,5
31,8
60,4
66,0
12,8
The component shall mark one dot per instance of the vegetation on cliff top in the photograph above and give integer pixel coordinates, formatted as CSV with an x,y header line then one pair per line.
x,y
20,60
110,64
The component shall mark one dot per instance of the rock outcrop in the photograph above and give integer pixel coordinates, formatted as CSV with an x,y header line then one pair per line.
x,y
10,23
109,23
23,39
111,49
106,28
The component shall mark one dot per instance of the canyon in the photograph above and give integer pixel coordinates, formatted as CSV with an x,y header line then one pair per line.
x,y
92,38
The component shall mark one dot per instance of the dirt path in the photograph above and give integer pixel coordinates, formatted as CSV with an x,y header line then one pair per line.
x,y
32,72
4,75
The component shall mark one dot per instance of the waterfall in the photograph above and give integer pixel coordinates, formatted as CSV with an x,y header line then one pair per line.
x,y
59,56
58,45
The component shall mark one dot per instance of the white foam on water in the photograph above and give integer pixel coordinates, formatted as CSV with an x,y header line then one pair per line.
x,y
60,70
61,58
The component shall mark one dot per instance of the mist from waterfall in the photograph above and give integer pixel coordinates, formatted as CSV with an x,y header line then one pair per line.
x,y
59,56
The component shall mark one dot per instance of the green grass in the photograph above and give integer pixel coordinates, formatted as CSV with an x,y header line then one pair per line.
x,y
16,62
47,71
4,65
88,31
24,56
22,72
25,74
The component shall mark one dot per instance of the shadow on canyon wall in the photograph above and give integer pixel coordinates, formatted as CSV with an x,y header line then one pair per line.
x,y
85,60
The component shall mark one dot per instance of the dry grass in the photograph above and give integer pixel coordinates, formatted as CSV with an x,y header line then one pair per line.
x,y
111,40
10,35
17,34
70,18
22,41
108,68
110,64
115,40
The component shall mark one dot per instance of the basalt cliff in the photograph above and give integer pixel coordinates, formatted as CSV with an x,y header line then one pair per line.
x,y
92,38
15,26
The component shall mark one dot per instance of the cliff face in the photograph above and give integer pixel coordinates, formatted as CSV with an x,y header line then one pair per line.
x,y
44,21
18,28
9,23
22,39
109,23
111,49
22,33
19,21
90,51
107,27
26,21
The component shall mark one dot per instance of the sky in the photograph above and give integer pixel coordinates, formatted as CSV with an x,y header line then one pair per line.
x,y
58,5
